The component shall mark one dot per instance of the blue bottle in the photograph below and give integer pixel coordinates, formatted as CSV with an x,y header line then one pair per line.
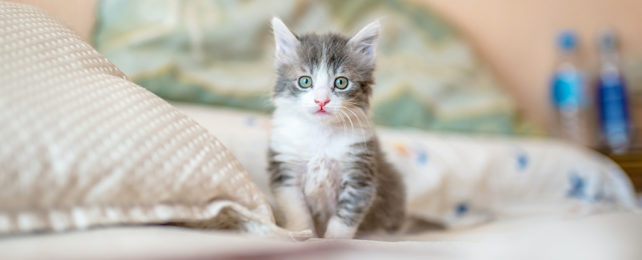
x,y
612,97
570,96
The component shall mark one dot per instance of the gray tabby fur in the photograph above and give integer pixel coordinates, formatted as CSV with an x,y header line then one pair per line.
x,y
370,195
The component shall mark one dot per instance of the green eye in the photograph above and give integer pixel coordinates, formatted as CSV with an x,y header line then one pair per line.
x,y
305,82
341,82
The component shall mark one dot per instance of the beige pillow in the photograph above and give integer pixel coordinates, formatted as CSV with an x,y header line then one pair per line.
x,y
81,146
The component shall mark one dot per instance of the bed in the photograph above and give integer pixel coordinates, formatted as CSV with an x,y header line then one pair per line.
x,y
94,166
544,228
605,236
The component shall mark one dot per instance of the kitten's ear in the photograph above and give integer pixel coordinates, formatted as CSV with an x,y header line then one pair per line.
x,y
286,42
365,41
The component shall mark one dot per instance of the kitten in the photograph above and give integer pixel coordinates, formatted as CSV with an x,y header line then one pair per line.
x,y
327,172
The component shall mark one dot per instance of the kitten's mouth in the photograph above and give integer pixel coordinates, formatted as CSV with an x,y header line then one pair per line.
x,y
321,112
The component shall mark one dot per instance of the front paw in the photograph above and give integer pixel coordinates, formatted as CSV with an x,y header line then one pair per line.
x,y
299,226
337,229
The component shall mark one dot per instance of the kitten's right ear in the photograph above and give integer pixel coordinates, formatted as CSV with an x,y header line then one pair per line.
x,y
365,41
286,42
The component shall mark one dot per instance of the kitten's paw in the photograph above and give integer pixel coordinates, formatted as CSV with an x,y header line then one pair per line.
x,y
300,226
337,229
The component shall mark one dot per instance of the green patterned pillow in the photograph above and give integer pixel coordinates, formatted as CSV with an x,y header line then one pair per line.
x,y
221,53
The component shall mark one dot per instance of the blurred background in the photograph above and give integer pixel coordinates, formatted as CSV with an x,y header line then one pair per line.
x,y
499,116
514,39
497,67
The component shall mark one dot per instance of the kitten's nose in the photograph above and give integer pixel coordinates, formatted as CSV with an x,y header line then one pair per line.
x,y
322,102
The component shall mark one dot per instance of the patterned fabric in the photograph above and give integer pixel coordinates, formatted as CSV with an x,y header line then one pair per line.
x,y
460,180
81,146
463,181
220,52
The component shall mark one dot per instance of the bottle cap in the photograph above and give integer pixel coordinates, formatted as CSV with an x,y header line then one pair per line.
x,y
567,40
607,39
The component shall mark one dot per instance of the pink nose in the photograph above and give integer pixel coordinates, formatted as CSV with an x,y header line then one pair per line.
x,y
322,102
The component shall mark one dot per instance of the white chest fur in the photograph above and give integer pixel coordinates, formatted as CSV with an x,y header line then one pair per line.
x,y
319,153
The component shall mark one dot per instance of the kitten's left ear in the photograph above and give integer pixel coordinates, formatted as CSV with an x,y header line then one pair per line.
x,y
365,41
286,42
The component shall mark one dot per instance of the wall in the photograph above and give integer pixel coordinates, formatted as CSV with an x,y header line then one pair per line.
x,y
516,38
77,14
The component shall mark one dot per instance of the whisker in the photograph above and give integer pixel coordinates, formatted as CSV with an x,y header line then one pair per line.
x,y
348,117
363,134
365,115
345,128
355,115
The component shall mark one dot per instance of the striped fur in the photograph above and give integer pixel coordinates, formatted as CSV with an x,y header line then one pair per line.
x,y
327,171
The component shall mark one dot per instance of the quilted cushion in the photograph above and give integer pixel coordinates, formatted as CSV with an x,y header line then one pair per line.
x,y
81,146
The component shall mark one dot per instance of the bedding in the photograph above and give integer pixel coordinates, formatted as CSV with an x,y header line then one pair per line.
x,y
615,235
76,154
194,51
456,180
80,146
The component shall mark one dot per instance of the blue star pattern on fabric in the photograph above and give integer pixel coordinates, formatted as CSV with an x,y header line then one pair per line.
x,y
599,196
250,121
522,161
461,209
422,157
578,186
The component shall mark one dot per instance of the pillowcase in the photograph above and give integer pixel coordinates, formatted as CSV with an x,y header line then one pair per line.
x,y
194,51
80,146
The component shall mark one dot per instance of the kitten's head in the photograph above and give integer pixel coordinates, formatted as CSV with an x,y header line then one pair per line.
x,y
326,77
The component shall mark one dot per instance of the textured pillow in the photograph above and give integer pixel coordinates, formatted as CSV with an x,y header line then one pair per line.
x,y
81,146
427,75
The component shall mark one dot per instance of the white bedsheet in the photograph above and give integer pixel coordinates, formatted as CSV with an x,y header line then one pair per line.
x,y
459,180
596,237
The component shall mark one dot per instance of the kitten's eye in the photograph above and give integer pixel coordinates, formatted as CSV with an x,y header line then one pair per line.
x,y
341,82
305,82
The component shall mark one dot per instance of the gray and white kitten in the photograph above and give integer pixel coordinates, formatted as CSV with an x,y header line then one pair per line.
x,y
327,171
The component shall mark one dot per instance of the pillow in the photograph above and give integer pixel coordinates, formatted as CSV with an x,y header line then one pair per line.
x,y
427,75
81,146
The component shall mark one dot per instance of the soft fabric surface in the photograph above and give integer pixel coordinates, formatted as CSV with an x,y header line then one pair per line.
x,y
221,53
81,146
597,237
460,180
